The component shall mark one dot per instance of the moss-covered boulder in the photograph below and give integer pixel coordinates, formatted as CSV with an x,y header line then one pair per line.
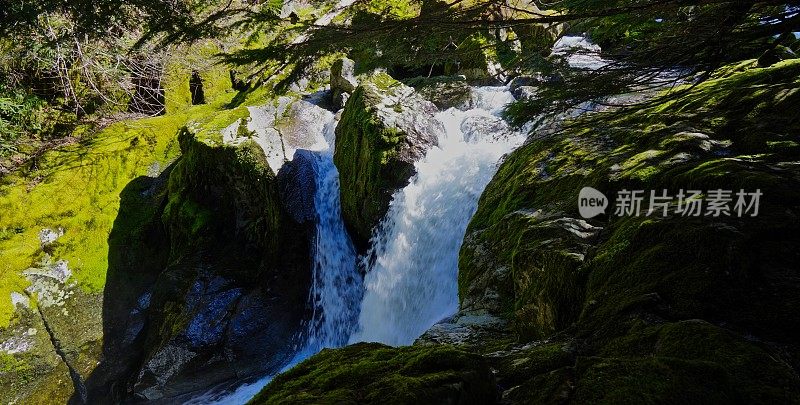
x,y
385,128
233,293
372,373
659,308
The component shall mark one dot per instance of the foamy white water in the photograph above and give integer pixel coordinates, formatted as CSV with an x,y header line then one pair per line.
x,y
413,263
336,290
581,53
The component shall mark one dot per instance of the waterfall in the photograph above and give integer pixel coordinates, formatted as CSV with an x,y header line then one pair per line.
x,y
413,263
336,289
411,281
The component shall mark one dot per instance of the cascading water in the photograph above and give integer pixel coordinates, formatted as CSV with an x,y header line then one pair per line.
x,y
413,263
336,290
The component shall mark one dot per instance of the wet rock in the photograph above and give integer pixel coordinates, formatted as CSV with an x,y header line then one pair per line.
x,y
444,91
469,330
475,127
525,92
233,296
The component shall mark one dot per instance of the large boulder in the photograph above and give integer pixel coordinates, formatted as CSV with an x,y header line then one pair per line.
x,y
385,128
444,91
650,304
233,294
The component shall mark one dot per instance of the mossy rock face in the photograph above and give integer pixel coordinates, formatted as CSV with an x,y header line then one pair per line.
x,y
30,369
742,369
528,258
371,373
385,128
532,268
237,276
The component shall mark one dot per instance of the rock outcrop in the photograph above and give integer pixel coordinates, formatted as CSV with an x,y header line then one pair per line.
x,y
343,82
444,91
372,373
385,128
233,293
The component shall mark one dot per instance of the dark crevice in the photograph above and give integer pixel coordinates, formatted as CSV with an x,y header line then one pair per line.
x,y
77,381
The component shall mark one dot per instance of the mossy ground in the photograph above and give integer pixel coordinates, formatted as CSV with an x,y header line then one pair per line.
x,y
77,187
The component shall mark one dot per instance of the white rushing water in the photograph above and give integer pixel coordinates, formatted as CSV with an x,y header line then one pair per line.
x,y
336,291
413,265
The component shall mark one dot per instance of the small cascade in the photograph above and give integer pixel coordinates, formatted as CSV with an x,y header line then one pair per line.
x,y
413,263
336,291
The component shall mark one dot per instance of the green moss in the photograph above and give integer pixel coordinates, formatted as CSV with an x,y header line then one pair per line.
x,y
683,361
756,374
650,381
77,188
371,373
12,364
520,365
390,9
614,287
